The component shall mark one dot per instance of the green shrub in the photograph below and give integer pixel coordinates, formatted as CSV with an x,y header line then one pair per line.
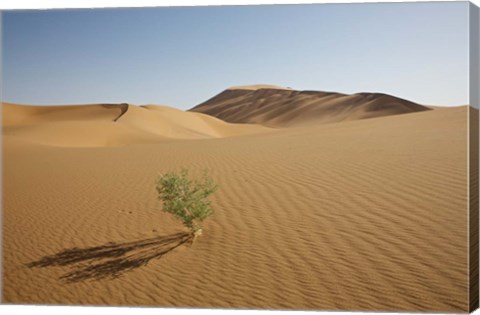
x,y
186,198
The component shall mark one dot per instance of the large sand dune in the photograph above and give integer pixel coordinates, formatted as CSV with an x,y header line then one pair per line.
x,y
283,107
100,125
360,215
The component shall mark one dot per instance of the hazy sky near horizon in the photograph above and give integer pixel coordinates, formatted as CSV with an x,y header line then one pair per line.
x,y
181,56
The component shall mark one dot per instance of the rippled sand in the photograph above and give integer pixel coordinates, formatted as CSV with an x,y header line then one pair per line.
x,y
360,215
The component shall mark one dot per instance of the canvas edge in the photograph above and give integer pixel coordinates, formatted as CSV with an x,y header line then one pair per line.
x,y
473,159
1,158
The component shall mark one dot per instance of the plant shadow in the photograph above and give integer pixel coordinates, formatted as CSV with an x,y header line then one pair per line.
x,y
112,259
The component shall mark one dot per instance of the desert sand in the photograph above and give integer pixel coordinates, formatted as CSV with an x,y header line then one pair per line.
x,y
367,214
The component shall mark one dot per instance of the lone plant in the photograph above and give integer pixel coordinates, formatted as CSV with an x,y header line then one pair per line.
x,y
186,198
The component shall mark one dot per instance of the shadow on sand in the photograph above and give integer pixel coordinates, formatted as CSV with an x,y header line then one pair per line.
x,y
112,259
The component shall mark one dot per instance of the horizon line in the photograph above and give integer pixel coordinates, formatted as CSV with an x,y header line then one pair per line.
x,y
238,87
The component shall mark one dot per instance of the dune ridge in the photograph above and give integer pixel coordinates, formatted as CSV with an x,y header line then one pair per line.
x,y
254,87
106,125
284,107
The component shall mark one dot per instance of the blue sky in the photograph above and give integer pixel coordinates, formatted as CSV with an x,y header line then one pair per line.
x,y
183,56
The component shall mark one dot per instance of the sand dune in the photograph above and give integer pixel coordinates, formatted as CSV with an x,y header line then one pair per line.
x,y
277,107
112,125
174,123
14,115
360,215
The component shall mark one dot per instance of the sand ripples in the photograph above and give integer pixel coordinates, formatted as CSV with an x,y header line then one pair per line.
x,y
364,215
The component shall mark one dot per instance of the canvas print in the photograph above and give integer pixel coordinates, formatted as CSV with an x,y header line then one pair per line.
x,y
296,157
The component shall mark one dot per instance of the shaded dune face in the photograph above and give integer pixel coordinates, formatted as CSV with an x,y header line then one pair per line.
x,y
284,108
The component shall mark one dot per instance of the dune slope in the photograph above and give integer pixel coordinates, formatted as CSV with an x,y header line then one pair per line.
x,y
282,107
100,125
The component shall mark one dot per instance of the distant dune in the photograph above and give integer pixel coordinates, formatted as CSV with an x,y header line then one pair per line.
x,y
283,107
100,125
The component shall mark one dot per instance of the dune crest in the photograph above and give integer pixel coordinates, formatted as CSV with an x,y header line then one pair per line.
x,y
255,87
280,107
104,125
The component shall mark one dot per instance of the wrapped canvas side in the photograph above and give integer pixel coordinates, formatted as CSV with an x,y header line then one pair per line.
x,y
473,159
